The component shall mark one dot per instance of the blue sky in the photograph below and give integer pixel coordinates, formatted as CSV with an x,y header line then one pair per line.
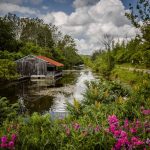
x,y
85,20
54,5
64,5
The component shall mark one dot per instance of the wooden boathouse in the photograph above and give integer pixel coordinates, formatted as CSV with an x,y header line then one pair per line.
x,y
38,67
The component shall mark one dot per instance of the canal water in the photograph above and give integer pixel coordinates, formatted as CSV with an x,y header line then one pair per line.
x,y
42,95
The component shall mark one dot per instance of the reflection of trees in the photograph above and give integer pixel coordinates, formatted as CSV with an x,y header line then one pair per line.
x,y
70,78
41,105
29,92
9,90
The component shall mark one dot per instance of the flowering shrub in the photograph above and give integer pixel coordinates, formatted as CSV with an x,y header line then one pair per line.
x,y
8,143
128,135
38,132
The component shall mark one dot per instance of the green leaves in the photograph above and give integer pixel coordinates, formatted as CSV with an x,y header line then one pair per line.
x,y
7,111
8,69
104,92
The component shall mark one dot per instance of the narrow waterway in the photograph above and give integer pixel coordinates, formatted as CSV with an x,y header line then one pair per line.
x,y
43,95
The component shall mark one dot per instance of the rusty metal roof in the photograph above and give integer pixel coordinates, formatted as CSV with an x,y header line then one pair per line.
x,y
50,61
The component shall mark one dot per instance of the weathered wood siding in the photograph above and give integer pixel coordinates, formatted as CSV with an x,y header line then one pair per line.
x,y
31,65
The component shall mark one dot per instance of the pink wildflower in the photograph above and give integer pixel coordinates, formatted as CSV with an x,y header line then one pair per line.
x,y
113,120
11,144
68,131
147,141
134,139
146,124
118,145
4,139
146,112
97,128
3,145
76,126
13,137
133,130
117,133
112,128
138,124
126,123
121,142
136,142
123,134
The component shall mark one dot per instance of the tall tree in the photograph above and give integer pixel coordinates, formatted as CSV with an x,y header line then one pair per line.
x,y
140,17
107,41
7,36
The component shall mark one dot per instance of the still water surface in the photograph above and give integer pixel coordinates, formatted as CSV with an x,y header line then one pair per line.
x,y
43,95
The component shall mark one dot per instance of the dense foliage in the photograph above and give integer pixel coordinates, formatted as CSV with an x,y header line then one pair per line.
x,y
23,36
7,110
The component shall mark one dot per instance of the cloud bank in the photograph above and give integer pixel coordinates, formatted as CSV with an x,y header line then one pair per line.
x,y
91,20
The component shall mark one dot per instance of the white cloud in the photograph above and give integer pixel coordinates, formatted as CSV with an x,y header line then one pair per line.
x,y
13,8
57,18
91,20
80,17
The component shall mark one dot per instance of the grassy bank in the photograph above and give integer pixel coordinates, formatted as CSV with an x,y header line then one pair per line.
x,y
131,77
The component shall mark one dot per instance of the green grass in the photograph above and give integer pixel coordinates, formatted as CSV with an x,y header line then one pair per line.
x,y
130,77
129,65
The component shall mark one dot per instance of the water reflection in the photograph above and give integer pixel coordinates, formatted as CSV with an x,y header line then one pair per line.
x,y
75,92
43,95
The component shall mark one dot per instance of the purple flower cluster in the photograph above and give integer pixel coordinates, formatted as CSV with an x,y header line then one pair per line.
x,y
5,143
125,138
82,131
76,126
146,112
97,128
113,123
136,141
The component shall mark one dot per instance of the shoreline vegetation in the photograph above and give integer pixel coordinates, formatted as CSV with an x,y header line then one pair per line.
x,y
115,111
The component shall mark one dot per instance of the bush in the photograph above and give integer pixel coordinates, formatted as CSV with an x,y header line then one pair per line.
x,y
105,92
87,132
7,111
5,72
